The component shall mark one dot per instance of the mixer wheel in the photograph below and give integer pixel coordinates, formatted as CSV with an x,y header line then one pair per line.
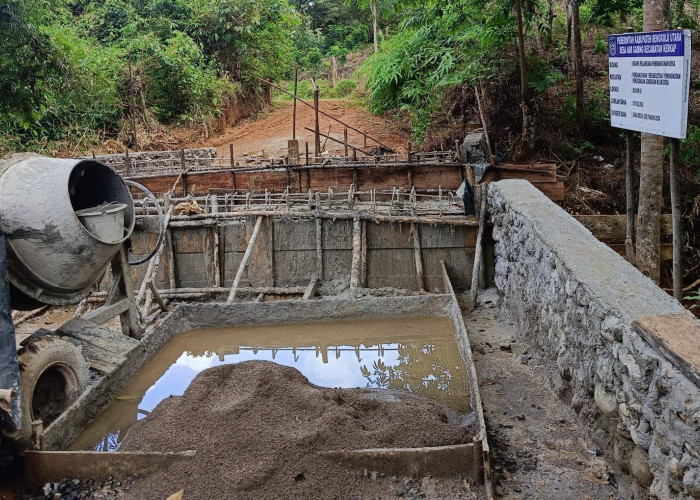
x,y
53,374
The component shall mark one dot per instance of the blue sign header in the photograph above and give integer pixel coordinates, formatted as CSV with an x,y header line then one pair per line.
x,y
656,44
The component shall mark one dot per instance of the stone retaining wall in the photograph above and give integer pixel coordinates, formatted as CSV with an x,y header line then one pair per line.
x,y
575,299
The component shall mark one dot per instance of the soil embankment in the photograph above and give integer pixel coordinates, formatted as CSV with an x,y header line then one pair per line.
x,y
257,428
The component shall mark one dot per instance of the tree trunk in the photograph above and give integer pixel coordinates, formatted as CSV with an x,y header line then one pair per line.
x,y
550,22
577,56
651,176
373,8
569,33
527,133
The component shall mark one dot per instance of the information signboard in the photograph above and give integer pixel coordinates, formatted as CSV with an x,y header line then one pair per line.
x,y
649,82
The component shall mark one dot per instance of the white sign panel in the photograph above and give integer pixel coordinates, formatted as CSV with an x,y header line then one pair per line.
x,y
649,82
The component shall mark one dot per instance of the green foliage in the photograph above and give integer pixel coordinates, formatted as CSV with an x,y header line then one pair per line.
x,y
440,45
542,75
72,68
689,153
693,296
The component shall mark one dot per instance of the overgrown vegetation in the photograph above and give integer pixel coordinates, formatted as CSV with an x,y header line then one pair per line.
x,y
76,71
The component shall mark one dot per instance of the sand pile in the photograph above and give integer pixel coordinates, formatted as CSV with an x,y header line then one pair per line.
x,y
257,426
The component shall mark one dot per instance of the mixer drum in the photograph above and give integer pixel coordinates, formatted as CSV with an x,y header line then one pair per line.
x,y
55,255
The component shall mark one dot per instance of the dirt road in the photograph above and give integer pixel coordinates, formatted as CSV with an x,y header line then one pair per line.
x,y
268,135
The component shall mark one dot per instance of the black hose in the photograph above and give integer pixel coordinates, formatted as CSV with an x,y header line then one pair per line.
x,y
161,222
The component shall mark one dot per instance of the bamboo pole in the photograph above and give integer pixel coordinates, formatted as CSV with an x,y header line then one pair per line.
x,y
317,132
244,261
363,256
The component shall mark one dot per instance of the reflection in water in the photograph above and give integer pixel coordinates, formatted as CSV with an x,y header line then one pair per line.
x,y
417,355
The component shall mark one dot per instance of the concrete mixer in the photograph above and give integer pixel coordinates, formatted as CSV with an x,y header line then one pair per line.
x,y
63,223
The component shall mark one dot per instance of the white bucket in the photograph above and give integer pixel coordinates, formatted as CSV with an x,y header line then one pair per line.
x,y
104,222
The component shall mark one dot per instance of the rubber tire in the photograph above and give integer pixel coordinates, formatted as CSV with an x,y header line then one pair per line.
x,y
58,357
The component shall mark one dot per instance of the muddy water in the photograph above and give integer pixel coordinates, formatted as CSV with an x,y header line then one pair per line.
x,y
418,355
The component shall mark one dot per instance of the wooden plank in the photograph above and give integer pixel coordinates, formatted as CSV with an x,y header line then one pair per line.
x,y
50,466
677,337
613,228
106,313
310,292
666,250
103,348
553,190
244,260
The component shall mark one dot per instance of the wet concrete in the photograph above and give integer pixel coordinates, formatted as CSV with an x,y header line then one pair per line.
x,y
418,355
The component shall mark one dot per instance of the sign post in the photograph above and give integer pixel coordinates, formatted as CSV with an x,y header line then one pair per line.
x,y
649,86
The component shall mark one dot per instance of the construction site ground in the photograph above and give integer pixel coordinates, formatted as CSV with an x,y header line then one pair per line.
x,y
540,448
269,132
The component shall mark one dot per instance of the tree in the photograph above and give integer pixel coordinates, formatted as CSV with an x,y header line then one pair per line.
x,y
577,55
651,176
528,133
372,6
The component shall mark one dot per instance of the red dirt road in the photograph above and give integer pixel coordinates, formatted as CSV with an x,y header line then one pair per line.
x,y
269,134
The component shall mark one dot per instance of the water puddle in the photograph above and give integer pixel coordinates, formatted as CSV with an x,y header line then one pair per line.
x,y
417,355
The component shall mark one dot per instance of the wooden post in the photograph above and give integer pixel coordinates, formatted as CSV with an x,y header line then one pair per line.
x,y
356,251
215,243
410,151
293,152
476,272
418,257
244,261
319,249
311,289
93,155
317,134
345,137
233,161
183,167
676,211
156,295
363,256
294,106
629,172
410,177
127,162
307,153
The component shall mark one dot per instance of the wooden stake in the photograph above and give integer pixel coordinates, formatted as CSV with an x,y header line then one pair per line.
x,y
157,296
363,256
294,108
244,261
345,137
418,257
476,272
319,248
311,289
676,211
317,131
